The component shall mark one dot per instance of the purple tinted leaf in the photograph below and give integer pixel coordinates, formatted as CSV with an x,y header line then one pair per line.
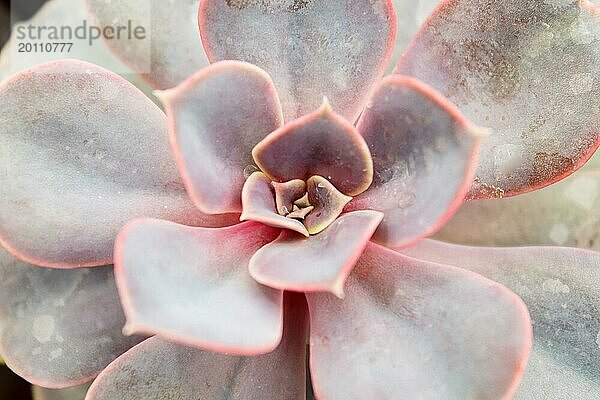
x,y
319,263
560,288
258,198
59,328
170,49
564,214
320,143
216,117
424,153
413,329
287,193
327,203
192,285
525,68
83,152
312,49
158,370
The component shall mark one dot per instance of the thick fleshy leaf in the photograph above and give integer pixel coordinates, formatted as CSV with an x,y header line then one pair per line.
x,y
158,370
320,143
327,201
527,69
72,393
83,152
412,329
411,14
192,285
424,153
59,328
319,263
216,117
287,193
560,288
171,50
311,49
300,213
564,214
258,198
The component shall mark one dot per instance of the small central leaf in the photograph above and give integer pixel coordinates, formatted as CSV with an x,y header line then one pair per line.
x,y
328,202
287,193
305,207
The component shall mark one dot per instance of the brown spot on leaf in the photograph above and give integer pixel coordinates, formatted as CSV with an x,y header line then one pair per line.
x,y
547,166
488,59
267,6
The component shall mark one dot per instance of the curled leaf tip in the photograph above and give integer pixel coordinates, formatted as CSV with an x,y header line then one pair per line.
x,y
337,289
163,95
326,106
480,132
129,329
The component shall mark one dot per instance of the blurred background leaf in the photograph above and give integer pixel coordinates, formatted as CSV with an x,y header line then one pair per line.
x,y
74,393
11,386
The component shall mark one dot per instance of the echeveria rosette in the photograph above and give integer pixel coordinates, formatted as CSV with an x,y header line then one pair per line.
x,y
410,134
198,287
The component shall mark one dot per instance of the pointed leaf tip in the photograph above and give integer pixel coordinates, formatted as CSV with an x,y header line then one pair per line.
x,y
216,117
401,332
306,60
424,155
510,65
319,263
320,143
160,266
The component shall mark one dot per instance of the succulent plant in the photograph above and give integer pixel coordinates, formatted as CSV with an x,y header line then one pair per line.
x,y
296,203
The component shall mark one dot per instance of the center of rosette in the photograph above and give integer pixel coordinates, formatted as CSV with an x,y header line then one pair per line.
x,y
316,202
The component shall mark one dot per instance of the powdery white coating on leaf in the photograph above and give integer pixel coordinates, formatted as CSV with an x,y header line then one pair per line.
x,y
327,201
527,69
258,199
216,117
564,214
319,143
83,152
287,193
319,263
311,49
59,328
191,285
411,14
413,329
171,51
560,288
424,154
158,370
72,393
